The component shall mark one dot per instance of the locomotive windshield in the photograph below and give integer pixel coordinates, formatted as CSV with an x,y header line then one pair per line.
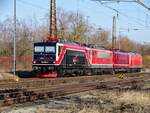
x,y
49,49
44,53
44,49
39,49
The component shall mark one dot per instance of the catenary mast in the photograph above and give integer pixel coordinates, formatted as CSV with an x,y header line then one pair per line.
x,y
53,21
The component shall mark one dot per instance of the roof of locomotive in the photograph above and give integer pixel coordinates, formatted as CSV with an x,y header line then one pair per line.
x,y
44,43
82,44
119,50
68,42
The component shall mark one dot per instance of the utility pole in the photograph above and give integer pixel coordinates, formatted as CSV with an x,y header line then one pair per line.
x,y
77,22
53,21
119,44
14,41
88,26
114,33
77,9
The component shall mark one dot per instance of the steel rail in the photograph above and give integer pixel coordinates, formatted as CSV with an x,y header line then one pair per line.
x,y
29,95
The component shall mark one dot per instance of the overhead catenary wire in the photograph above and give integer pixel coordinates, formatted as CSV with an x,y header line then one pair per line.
x,y
124,14
142,4
33,5
112,1
134,19
118,1
104,2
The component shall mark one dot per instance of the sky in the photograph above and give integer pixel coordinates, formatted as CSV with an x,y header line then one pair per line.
x,y
130,16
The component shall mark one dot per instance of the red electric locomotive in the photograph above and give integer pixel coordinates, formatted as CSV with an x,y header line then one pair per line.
x,y
120,60
52,59
126,61
101,60
135,62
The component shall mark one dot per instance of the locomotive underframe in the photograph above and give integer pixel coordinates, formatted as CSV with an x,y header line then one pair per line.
x,y
78,70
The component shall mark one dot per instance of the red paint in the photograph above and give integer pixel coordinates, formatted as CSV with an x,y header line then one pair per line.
x,y
70,47
135,60
120,59
51,74
97,57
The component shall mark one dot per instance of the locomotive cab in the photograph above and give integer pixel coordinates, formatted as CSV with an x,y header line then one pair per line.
x,y
44,57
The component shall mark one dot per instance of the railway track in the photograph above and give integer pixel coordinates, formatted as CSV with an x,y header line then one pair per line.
x,y
34,82
45,91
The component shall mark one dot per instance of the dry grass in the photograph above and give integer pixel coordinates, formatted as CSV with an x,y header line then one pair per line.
x,y
146,61
51,111
89,110
116,102
141,98
7,77
97,102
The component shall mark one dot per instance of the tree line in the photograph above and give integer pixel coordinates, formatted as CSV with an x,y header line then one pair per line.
x,y
71,26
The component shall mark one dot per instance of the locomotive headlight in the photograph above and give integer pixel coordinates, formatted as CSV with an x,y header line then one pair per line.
x,y
34,62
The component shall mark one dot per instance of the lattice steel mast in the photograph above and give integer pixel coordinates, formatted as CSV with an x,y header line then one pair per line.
x,y
53,21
